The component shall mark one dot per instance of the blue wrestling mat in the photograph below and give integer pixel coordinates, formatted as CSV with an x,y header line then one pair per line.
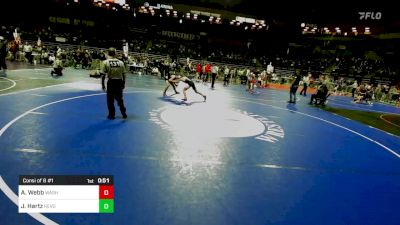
x,y
238,158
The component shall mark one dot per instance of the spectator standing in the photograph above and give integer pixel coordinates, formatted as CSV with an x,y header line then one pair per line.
x,y
354,88
293,89
198,72
214,73
3,53
226,76
14,49
28,52
306,82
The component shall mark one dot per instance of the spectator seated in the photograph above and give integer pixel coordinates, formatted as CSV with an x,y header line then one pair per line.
x,y
321,97
364,94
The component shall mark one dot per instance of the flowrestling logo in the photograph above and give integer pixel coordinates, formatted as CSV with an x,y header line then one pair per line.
x,y
201,122
370,15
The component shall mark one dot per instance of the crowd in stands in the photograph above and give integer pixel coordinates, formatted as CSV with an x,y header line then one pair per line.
x,y
342,65
35,52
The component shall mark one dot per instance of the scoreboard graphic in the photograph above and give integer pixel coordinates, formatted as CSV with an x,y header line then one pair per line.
x,y
66,194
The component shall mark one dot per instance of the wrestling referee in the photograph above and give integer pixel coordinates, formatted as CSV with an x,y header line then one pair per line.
x,y
114,69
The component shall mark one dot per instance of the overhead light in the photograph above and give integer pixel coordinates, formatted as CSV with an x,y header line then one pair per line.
x,y
345,33
302,24
325,28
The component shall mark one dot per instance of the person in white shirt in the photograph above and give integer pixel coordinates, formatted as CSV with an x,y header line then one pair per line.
x,y
226,76
354,88
214,73
263,77
28,52
57,67
52,58
306,82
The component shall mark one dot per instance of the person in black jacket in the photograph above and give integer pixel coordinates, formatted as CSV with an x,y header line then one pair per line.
x,y
321,95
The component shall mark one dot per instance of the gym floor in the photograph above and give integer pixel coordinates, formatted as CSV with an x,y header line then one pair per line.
x,y
238,158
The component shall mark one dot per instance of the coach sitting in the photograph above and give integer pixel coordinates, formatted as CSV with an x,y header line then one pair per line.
x,y
321,95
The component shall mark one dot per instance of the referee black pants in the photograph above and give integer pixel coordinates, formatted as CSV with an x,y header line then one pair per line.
x,y
114,91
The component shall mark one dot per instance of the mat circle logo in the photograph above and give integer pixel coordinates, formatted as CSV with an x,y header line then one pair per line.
x,y
201,122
